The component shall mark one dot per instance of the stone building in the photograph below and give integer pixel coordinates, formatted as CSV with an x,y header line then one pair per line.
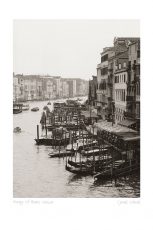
x,y
133,85
120,85
104,92
16,88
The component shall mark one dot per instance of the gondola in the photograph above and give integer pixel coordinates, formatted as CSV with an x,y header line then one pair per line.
x,y
60,154
52,141
84,171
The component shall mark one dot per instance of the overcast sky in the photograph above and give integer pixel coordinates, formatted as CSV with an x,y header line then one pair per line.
x,y
67,48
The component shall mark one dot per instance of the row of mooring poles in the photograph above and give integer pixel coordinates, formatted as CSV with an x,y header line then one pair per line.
x,y
93,151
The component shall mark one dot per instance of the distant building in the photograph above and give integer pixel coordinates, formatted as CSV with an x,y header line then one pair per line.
x,y
65,89
37,87
16,88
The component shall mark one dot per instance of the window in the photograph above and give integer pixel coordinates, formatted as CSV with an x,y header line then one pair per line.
x,y
124,64
104,58
124,78
138,54
104,71
119,66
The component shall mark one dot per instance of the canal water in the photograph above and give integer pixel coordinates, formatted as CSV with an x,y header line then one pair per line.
x,y
35,175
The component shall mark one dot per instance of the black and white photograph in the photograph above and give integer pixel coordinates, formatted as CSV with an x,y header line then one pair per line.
x,y
76,115
76,108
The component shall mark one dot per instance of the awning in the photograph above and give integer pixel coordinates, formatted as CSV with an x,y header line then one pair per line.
x,y
127,123
89,114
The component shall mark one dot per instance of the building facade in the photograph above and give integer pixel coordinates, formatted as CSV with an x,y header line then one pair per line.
x,y
36,87
120,85
104,91
133,85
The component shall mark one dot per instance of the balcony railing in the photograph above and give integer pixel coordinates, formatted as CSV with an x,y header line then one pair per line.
x,y
110,99
130,98
137,98
129,115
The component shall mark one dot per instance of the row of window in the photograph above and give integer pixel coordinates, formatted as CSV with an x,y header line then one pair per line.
x,y
121,78
104,58
131,90
102,85
121,65
104,71
121,111
101,98
120,95
119,118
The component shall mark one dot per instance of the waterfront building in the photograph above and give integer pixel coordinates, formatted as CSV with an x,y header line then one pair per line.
x,y
120,75
133,85
47,89
65,89
16,88
39,87
58,86
104,93
36,87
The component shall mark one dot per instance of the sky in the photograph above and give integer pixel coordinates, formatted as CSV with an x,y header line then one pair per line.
x,y
66,48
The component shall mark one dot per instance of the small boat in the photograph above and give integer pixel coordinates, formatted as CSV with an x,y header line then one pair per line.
x,y
52,141
35,109
81,144
60,154
84,171
49,103
17,130
25,107
17,108
95,152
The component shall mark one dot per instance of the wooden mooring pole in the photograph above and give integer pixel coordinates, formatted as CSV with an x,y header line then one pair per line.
x,y
37,132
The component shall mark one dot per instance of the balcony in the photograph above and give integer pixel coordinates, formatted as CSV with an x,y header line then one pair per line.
x,y
110,68
110,99
130,98
110,84
129,115
137,98
134,67
99,66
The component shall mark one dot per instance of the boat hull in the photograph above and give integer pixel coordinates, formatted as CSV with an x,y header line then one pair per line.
x,y
52,142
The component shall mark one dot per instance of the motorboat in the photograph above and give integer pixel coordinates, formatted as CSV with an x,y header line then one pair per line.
x,y
17,130
25,107
35,109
